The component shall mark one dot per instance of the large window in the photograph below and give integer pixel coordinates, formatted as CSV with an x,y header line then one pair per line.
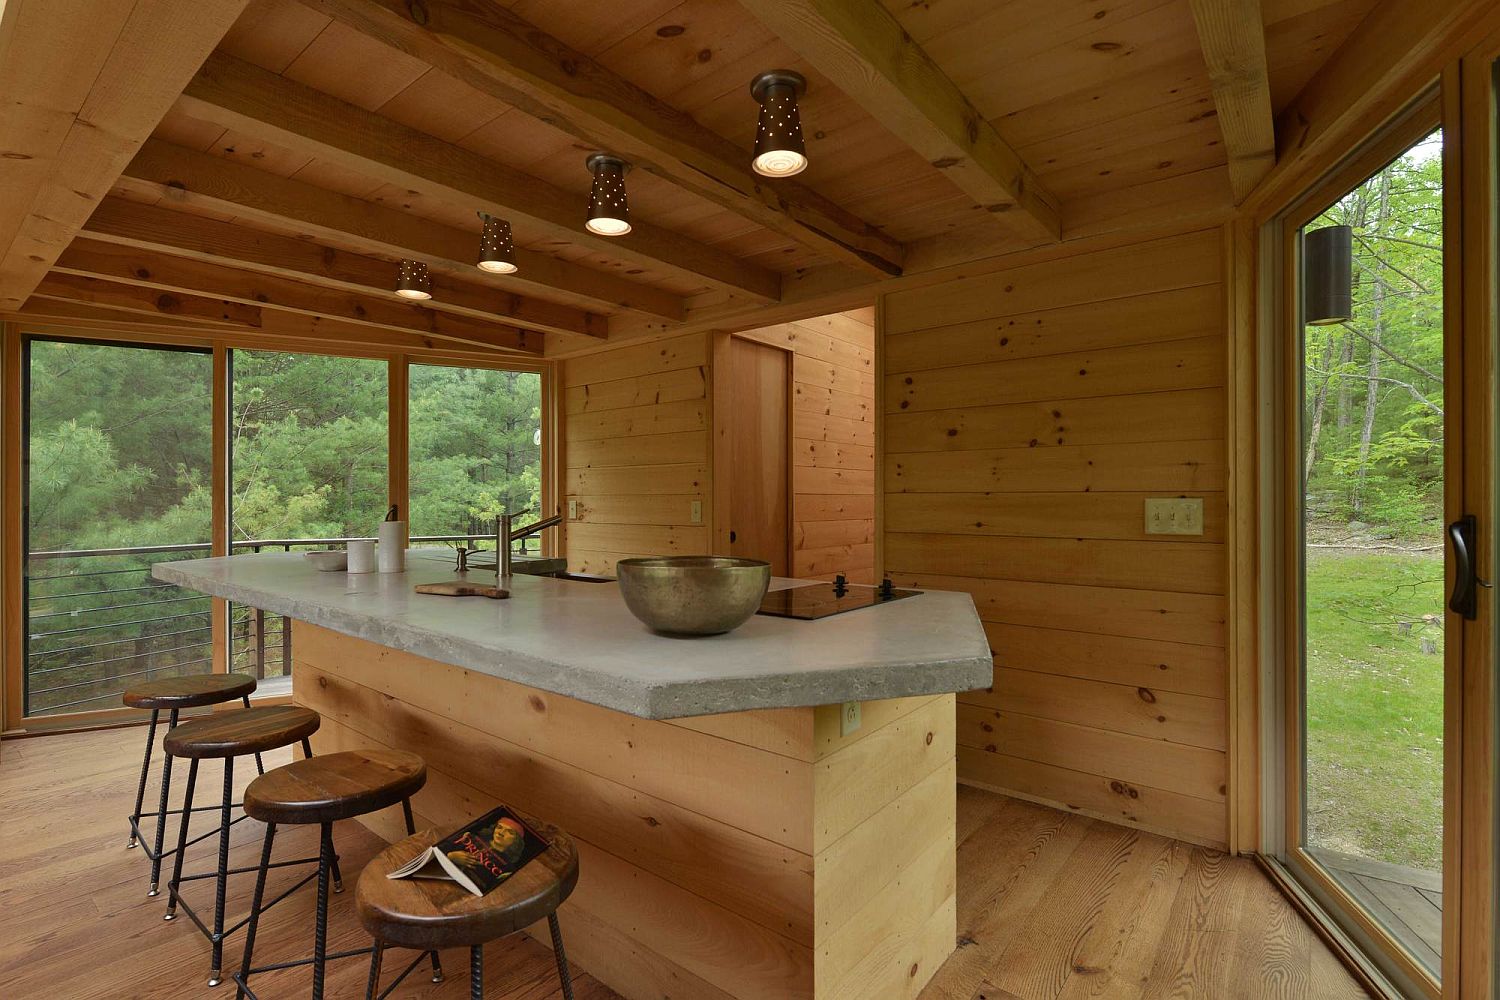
x,y
308,465
475,446
117,477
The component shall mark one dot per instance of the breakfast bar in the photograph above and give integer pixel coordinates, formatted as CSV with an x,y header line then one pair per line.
x,y
763,814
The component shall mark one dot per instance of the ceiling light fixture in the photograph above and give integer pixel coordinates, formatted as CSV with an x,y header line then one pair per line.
x,y
1327,276
779,150
609,211
413,281
497,252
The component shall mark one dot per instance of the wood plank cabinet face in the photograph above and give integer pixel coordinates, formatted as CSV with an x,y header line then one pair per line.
x,y
1027,416
757,436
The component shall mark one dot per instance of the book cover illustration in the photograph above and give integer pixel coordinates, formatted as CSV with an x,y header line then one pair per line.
x,y
479,857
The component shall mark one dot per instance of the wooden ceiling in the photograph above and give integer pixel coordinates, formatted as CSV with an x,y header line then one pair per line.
x,y
324,139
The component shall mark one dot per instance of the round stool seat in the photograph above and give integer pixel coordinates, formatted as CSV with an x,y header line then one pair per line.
x,y
427,914
335,786
243,731
189,692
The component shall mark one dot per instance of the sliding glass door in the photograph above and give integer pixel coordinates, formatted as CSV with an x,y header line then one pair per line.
x,y
1371,548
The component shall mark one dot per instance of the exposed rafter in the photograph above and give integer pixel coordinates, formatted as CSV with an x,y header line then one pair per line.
x,y
185,176
154,228
861,47
177,275
253,101
147,301
83,85
493,50
1232,34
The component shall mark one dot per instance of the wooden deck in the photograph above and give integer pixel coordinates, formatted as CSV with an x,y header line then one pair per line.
x,y
1052,906
1408,901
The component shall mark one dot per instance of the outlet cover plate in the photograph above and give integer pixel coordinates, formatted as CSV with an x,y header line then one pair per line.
x,y
1174,516
849,719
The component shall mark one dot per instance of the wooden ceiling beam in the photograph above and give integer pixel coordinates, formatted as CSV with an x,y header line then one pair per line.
x,y
84,84
186,176
257,102
180,276
1232,34
494,51
861,47
183,234
147,301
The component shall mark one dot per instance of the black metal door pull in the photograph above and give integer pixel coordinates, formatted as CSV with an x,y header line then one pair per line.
x,y
1465,599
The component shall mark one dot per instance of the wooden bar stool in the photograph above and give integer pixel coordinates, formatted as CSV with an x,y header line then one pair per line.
x,y
324,790
173,694
224,737
429,915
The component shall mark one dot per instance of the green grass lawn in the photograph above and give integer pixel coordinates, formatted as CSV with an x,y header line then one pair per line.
x,y
1375,705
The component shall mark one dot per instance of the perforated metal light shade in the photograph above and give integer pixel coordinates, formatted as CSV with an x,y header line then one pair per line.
x,y
1327,276
413,281
779,149
609,211
497,252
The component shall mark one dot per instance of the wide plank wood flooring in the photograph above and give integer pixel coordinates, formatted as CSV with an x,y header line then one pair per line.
x,y
1052,906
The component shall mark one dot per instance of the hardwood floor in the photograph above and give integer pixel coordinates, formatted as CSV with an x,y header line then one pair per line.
x,y
1052,906
1055,906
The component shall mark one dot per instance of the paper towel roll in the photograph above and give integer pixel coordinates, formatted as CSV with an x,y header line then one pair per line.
x,y
362,555
392,551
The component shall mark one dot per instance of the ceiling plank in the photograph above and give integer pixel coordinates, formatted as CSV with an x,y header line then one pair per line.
x,y
152,227
90,259
1232,35
84,83
147,301
186,176
494,51
253,101
861,47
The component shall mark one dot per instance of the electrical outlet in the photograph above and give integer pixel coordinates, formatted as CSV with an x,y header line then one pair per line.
x,y
1174,516
695,511
848,717
572,510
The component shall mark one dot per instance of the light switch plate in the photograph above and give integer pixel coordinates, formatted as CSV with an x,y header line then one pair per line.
x,y
696,512
1174,516
572,510
848,717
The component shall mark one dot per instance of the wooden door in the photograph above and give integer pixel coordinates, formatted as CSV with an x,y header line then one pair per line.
x,y
760,491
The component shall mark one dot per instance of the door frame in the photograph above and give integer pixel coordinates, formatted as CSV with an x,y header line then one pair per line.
x,y
1462,102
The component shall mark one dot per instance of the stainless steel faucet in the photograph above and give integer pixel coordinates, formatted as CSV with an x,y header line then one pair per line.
x,y
504,535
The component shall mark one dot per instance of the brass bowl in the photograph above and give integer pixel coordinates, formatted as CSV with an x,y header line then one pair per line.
x,y
693,595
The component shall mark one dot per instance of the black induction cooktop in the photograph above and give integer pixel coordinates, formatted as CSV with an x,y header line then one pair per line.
x,y
819,600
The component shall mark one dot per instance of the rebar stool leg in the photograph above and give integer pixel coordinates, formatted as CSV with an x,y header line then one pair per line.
x,y
320,931
372,986
161,810
255,906
437,968
140,788
476,973
260,767
182,836
561,956
222,882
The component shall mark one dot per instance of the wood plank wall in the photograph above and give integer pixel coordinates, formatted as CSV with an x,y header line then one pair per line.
x,y
833,442
1027,415
637,422
636,452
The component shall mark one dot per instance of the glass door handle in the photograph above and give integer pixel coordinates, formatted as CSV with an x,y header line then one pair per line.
x,y
1465,598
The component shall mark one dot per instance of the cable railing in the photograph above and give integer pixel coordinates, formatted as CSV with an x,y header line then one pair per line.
x,y
90,630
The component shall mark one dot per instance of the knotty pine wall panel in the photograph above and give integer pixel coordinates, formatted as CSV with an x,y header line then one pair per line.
x,y
833,442
1027,415
636,452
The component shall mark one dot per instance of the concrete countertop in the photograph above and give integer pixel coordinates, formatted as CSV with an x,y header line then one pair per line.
x,y
579,640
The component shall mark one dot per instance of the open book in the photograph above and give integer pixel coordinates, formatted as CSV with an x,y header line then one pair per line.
x,y
480,856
